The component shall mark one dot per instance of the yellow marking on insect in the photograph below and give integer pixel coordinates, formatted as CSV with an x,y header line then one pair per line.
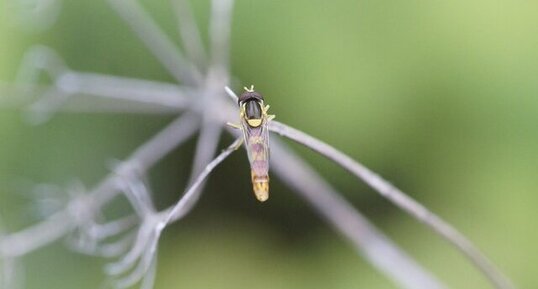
x,y
254,122
251,89
260,186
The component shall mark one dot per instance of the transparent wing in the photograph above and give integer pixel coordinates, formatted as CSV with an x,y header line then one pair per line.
x,y
257,146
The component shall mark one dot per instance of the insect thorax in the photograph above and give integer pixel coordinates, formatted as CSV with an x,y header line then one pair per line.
x,y
252,112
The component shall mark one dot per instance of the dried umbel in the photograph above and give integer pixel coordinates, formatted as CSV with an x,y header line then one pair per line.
x,y
133,240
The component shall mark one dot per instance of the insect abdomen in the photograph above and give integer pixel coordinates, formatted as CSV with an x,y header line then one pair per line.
x,y
260,186
259,164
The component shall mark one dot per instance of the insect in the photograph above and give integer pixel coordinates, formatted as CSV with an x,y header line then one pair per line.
x,y
254,119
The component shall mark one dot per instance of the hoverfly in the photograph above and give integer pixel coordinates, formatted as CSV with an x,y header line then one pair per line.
x,y
254,119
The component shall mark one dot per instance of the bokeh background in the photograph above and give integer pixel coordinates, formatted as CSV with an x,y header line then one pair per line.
x,y
441,98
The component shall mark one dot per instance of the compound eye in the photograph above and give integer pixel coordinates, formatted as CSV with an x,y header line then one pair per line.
x,y
249,95
253,109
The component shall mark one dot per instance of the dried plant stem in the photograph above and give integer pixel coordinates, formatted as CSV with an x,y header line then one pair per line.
x,y
206,145
21,96
190,197
157,41
219,33
138,91
400,199
143,158
124,88
189,33
380,251
145,247
207,113
37,236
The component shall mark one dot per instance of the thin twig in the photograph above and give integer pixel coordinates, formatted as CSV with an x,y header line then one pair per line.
x,y
380,251
116,248
206,146
138,195
143,158
145,247
400,199
219,33
143,251
231,94
9,273
36,236
67,83
46,106
37,59
113,228
109,94
124,88
157,41
189,33
149,278
186,202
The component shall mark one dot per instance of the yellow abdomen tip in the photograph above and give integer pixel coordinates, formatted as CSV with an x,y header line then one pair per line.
x,y
261,190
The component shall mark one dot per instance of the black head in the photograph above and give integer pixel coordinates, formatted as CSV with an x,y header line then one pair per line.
x,y
250,95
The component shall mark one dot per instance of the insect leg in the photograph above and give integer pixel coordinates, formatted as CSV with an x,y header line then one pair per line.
x,y
238,145
233,125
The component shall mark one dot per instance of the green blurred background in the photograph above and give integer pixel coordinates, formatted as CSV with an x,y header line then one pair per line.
x,y
441,98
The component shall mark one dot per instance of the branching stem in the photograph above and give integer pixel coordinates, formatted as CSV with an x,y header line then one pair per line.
x,y
399,199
